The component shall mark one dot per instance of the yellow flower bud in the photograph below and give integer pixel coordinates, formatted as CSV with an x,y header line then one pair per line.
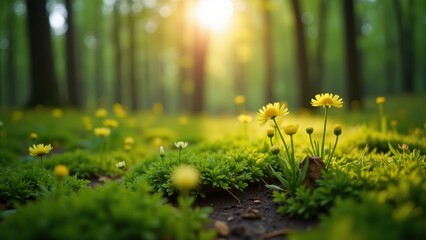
x,y
291,129
380,100
270,132
275,149
337,130
185,177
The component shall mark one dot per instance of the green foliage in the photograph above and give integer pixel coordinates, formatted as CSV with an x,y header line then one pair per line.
x,y
20,185
109,212
90,165
219,170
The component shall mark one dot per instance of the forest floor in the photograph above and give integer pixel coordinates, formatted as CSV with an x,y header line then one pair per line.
x,y
256,217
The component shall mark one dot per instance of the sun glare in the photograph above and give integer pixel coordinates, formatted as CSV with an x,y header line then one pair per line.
x,y
214,14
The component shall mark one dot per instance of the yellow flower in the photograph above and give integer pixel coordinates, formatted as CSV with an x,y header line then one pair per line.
x,y
327,100
291,129
61,171
110,123
102,132
33,136
239,100
101,113
380,100
119,110
129,141
185,177
39,149
244,118
271,111
57,113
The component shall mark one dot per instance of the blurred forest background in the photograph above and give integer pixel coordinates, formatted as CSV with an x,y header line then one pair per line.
x,y
197,55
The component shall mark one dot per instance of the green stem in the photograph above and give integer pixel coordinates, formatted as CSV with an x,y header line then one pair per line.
x,y
293,167
323,134
312,144
272,144
332,153
180,149
41,161
282,138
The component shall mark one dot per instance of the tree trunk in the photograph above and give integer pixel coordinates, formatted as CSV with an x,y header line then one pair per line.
x,y
322,20
200,48
132,61
406,43
74,89
44,89
354,84
117,48
10,58
185,62
302,58
390,45
99,55
269,50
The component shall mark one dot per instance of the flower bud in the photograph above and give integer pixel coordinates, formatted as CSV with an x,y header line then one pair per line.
x,y
291,129
270,132
309,130
162,152
337,130
275,149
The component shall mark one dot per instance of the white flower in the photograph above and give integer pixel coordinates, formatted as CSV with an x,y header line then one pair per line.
x,y
120,165
181,145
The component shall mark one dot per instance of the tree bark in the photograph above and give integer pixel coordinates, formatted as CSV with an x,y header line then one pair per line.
x,y
200,48
99,55
302,58
354,84
322,20
117,50
44,89
269,51
132,61
406,44
10,58
74,90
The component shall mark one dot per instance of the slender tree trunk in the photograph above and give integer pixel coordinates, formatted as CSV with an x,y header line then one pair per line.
x,y
269,51
406,43
74,89
117,48
44,89
354,84
390,45
302,58
132,61
200,48
322,20
10,58
239,76
185,62
99,55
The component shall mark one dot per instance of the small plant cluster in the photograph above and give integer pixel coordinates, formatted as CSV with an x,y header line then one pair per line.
x,y
290,175
110,212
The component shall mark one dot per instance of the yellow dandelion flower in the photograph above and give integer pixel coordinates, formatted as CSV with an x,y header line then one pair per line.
x,y
327,100
102,132
244,118
110,123
185,177
291,129
61,171
380,100
33,136
129,141
239,100
57,113
39,149
271,111
101,112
